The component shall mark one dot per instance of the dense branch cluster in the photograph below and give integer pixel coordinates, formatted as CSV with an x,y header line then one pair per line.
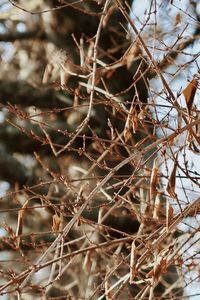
x,y
99,144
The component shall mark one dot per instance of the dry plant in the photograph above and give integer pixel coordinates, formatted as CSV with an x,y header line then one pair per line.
x,y
99,149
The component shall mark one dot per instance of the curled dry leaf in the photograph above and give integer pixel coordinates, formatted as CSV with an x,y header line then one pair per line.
x,y
195,211
56,223
169,215
172,181
189,93
20,222
133,261
135,121
180,262
160,267
154,180
131,121
157,271
177,19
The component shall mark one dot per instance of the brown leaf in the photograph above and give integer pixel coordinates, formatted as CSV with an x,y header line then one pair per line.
x,y
133,261
56,223
172,181
169,215
20,223
160,267
135,121
180,262
195,211
177,19
189,93
163,265
131,121
154,180
20,220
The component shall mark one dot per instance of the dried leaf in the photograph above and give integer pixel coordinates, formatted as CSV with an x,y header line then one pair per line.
x,y
156,270
160,267
127,131
135,121
154,180
20,220
195,211
172,180
130,121
56,223
180,262
127,134
133,261
169,215
197,127
163,265
189,93
177,19
20,223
